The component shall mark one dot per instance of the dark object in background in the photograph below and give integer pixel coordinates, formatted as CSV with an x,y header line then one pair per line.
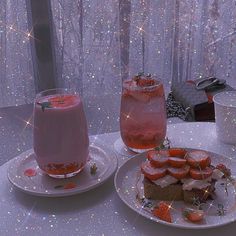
x,y
195,102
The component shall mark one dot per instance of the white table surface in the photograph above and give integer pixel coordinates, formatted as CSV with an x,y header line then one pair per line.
x,y
100,211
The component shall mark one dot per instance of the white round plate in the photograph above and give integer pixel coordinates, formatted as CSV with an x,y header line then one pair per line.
x,y
128,182
43,185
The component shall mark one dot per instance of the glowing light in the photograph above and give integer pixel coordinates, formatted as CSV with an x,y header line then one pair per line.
x,y
140,29
127,116
28,34
27,123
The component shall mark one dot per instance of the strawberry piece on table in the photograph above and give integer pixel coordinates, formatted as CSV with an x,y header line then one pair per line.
x,y
200,174
151,172
179,173
156,159
198,158
193,215
177,152
176,162
162,211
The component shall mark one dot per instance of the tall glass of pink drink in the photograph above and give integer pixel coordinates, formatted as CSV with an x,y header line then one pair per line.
x,y
143,113
60,133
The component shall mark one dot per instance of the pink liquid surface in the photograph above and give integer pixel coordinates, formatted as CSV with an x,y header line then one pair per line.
x,y
60,134
143,116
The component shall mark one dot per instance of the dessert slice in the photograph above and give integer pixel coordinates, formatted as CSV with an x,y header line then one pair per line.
x,y
186,176
162,186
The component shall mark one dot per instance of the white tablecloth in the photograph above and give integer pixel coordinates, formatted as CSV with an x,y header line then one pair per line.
x,y
100,211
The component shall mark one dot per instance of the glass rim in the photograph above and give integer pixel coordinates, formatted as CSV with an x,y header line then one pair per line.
x,y
221,103
49,92
158,84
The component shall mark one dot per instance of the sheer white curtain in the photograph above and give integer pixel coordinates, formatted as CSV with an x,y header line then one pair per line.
x,y
16,70
204,40
100,42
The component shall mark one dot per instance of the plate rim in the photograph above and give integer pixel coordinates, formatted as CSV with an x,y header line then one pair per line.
x,y
154,219
69,192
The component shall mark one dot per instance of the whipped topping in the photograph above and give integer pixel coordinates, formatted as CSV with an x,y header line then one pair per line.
x,y
165,181
217,174
189,184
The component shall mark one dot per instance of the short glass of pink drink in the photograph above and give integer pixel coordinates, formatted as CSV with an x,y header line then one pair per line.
x,y
143,113
60,133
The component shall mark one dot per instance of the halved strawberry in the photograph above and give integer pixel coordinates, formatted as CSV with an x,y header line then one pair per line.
x,y
176,162
177,152
198,158
199,174
193,215
164,152
156,159
151,172
162,211
179,173
226,171
145,82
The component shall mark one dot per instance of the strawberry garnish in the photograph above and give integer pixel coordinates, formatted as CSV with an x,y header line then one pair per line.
x,y
198,159
162,211
156,158
193,215
178,173
151,172
198,174
145,82
177,152
176,162
226,171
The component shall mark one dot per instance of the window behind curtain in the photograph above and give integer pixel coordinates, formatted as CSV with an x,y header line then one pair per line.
x,y
99,42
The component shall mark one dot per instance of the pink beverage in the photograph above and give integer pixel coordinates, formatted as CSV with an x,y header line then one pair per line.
x,y
60,133
143,113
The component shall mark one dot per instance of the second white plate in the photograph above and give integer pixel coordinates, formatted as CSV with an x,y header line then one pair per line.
x,y
128,183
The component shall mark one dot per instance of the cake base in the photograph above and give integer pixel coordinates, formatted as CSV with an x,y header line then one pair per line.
x,y
175,192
